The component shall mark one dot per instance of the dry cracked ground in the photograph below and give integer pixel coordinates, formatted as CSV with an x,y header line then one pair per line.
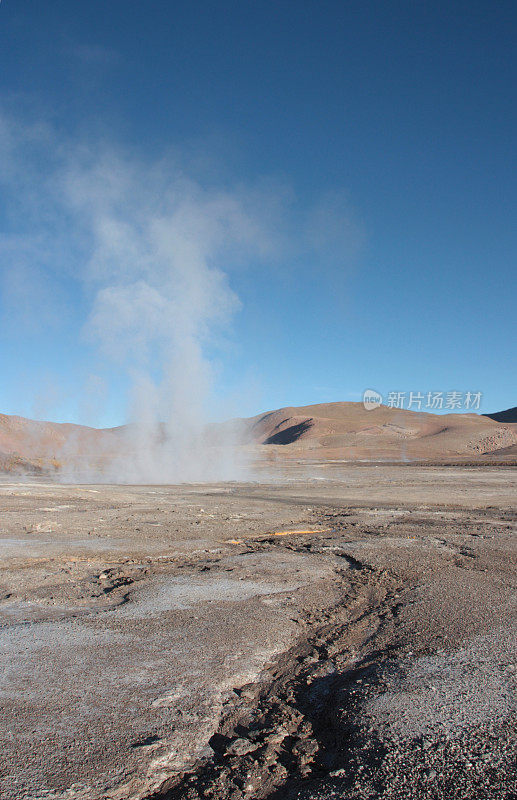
x,y
351,635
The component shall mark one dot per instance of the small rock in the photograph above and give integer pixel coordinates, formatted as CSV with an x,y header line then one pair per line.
x,y
239,747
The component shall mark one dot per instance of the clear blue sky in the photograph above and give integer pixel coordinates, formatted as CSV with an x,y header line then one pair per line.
x,y
386,129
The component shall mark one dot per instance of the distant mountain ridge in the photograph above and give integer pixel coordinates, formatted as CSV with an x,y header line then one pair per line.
x,y
340,431
347,431
509,415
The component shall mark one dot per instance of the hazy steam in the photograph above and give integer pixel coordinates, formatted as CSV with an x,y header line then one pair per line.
x,y
158,246
149,251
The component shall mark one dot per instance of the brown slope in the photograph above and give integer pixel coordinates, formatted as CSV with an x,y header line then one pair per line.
x,y
27,444
349,431
328,431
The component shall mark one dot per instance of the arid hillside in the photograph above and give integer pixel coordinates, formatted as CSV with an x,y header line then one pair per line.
x,y
348,431
508,415
328,432
38,446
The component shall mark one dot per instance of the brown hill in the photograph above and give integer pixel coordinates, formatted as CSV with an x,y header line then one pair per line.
x,y
348,431
329,431
31,445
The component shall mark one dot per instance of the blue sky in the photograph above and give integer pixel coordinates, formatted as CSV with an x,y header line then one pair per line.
x,y
350,169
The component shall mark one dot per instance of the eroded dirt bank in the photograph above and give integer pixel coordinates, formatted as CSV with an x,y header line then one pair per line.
x,y
316,639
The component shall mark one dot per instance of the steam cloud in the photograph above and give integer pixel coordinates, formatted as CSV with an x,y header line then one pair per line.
x,y
152,249
157,244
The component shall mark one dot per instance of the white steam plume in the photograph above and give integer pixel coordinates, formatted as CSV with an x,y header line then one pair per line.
x,y
158,246
152,250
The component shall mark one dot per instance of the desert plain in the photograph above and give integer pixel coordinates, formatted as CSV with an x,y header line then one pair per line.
x,y
340,632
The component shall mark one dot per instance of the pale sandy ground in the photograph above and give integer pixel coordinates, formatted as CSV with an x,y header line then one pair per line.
x,y
166,642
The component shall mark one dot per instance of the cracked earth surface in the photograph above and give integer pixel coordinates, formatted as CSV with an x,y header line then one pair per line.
x,y
344,637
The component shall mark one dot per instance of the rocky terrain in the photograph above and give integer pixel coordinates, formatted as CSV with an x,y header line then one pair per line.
x,y
351,635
